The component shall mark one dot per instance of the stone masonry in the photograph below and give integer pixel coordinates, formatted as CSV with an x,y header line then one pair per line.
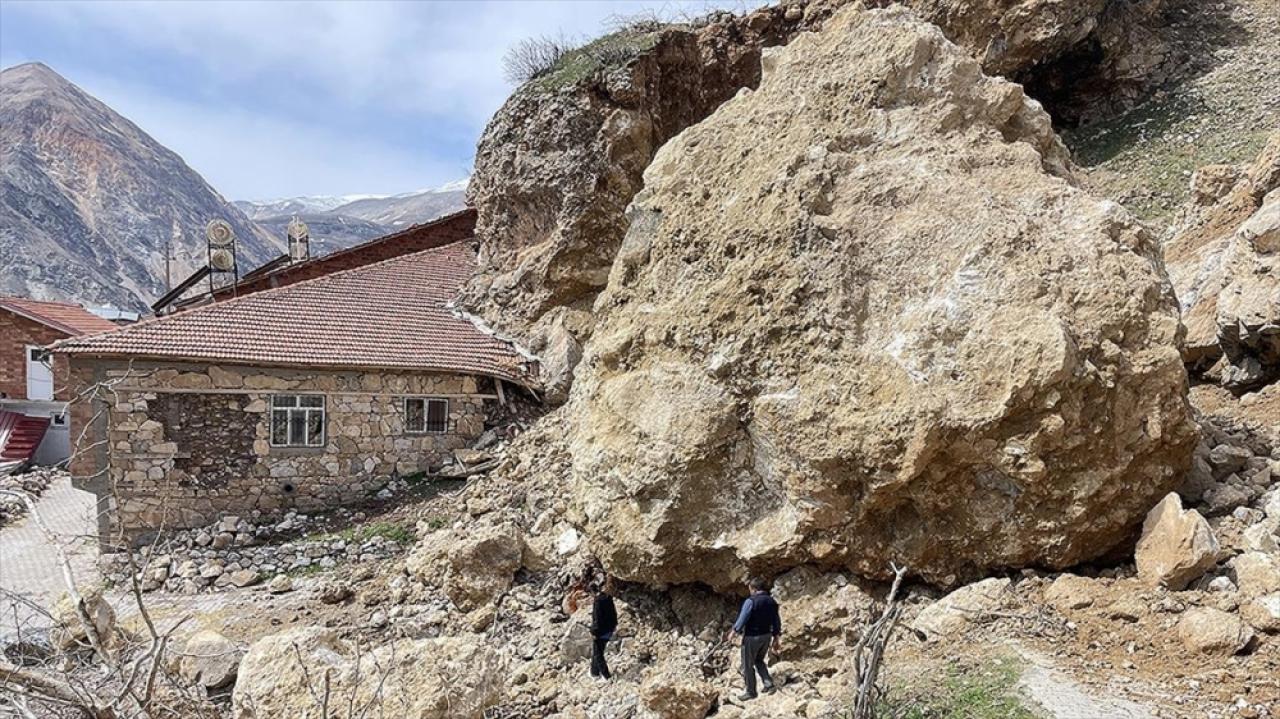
x,y
184,444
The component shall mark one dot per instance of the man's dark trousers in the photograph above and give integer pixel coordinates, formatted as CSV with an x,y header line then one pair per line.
x,y
599,668
755,649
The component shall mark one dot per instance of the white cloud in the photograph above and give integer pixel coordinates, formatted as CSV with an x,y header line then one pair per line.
x,y
250,156
272,84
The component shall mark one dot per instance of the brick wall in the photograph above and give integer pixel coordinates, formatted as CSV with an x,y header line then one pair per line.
x,y
16,332
186,444
437,233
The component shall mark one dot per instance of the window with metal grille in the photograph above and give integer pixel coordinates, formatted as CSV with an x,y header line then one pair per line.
x,y
424,415
297,420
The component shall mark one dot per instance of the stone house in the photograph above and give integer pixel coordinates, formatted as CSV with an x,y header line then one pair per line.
x,y
305,396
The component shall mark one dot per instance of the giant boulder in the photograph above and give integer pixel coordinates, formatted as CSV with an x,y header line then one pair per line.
x,y
863,315
444,678
559,162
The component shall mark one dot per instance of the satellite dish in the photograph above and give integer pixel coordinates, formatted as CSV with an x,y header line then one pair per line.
x,y
298,229
222,260
219,233
299,238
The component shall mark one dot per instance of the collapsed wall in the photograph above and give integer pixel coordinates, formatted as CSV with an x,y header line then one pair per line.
x,y
861,315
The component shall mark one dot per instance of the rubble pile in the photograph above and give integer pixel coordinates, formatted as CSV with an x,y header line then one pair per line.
x,y
33,482
235,552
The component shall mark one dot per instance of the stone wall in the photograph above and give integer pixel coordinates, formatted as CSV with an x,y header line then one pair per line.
x,y
187,444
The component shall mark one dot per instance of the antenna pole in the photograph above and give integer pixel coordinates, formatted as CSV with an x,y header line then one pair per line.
x,y
168,258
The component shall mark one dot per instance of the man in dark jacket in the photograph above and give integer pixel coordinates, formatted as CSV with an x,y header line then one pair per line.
x,y
604,622
760,627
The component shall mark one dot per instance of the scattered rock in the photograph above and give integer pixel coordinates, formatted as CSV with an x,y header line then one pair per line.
x,y
245,578
210,659
444,678
955,612
1263,613
678,695
1213,631
1177,545
1070,592
335,592
69,632
483,565
1256,573
280,584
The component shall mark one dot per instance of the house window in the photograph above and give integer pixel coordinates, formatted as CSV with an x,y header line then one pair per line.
x,y
424,415
297,420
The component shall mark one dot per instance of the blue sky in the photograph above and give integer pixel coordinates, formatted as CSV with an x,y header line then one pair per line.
x,y
271,99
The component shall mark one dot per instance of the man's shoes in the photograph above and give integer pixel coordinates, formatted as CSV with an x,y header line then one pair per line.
x,y
769,689
745,697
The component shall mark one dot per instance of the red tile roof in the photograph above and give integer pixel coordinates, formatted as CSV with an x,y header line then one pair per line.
x,y
74,320
394,314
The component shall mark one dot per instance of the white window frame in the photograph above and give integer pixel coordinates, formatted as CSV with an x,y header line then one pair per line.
x,y
297,412
426,413
39,373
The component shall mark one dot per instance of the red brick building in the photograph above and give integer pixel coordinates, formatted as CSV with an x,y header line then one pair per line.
x,y
457,227
27,327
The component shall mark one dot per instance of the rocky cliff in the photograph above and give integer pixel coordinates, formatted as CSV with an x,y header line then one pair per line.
x,y
558,164
1224,258
88,200
862,315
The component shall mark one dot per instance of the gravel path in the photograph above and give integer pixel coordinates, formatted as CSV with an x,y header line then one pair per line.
x,y
1061,697
28,561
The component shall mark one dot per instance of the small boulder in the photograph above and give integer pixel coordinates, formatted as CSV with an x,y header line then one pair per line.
x,y
482,565
677,695
575,643
443,678
1222,498
1227,459
280,584
244,578
69,632
335,592
471,457
210,660
1263,613
1070,592
1261,537
1213,631
1177,545
953,613
1257,573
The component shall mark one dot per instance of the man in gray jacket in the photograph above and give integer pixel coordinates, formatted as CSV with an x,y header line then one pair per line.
x,y
760,626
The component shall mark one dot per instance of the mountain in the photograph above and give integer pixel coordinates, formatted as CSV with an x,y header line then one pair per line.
x,y
391,212
261,209
399,211
88,200
338,222
329,231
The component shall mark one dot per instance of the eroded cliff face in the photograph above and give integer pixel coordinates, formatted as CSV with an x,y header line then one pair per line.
x,y
559,163
861,315
1224,258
